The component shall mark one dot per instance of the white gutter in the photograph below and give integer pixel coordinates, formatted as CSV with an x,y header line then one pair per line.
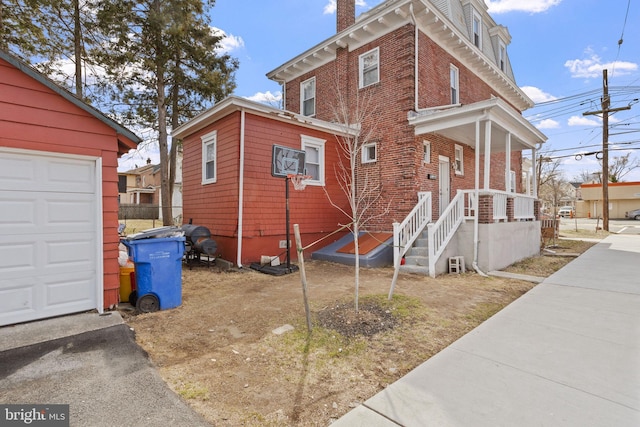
x,y
416,52
241,189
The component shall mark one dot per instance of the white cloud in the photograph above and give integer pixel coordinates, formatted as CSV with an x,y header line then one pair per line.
x,y
229,42
330,7
267,97
531,6
592,66
537,95
548,124
582,121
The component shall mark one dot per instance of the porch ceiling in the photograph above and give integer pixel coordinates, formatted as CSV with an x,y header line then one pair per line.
x,y
458,123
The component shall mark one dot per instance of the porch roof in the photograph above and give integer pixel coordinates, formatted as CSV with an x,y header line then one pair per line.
x,y
458,123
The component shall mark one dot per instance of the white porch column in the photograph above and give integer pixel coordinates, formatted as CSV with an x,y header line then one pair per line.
x,y
535,172
487,155
507,164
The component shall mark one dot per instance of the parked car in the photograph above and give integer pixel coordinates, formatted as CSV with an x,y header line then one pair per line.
x,y
633,214
566,211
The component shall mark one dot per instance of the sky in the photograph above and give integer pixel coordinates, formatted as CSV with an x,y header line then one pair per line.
x,y
558,51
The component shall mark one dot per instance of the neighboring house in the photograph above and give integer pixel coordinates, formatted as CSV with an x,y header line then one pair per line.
x,y
447,152
623,197
140,192
230,190
58,198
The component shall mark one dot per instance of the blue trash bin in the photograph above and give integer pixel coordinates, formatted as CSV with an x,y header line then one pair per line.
x,y
158,270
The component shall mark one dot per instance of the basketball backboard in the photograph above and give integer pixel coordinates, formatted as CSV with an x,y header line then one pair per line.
x,y
286,160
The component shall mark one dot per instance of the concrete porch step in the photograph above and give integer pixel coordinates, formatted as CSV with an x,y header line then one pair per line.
x,y
414,269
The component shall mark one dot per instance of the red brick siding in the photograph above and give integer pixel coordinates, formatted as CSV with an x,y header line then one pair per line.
x,y
400,172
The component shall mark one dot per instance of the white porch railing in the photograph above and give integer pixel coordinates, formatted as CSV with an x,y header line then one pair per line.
x,y
441,232
406,232
523,207
500,205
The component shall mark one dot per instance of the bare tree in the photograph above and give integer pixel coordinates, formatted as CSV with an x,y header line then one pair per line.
x,y
620,166
361,189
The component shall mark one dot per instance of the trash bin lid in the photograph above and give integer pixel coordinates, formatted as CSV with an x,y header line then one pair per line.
x,y
168,231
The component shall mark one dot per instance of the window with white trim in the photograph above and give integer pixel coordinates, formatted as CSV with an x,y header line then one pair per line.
x,y
308,97
502,56
454,78
477,30
209,157
512,181
369,153
314,159
426,151
369,68
458,164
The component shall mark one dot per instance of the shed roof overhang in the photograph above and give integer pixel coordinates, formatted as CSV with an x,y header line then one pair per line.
x,y
458,123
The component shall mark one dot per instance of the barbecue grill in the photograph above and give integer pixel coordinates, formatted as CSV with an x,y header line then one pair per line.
x,y
199,247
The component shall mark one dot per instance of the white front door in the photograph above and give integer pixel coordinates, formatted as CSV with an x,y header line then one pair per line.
x,y
444,187
50,235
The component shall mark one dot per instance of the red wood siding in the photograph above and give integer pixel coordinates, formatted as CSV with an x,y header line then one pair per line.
x,y
33,117
400,171
215,205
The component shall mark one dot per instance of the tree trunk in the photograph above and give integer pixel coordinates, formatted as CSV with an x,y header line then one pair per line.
x,y
77,44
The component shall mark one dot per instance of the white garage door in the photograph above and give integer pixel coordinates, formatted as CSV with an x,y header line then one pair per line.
x,y
50,244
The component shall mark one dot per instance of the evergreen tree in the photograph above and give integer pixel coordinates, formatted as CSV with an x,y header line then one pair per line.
x,y
162,58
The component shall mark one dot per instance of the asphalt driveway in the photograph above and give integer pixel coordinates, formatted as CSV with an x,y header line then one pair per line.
x,y
105,377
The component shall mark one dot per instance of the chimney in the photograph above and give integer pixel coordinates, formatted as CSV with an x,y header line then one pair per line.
x,y
346,14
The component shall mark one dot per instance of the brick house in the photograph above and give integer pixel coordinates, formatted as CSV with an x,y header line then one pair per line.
x,y
450,134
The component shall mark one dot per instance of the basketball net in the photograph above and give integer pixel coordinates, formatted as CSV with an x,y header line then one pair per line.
x,y
299,181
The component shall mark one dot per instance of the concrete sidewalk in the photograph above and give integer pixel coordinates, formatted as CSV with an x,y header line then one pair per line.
x,y
567,353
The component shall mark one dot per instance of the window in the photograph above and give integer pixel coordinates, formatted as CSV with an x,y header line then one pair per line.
x,y
314,159
512,181
458,165
369,153
426,151
454,78
370,68
502,56
209,160
308,97
477,30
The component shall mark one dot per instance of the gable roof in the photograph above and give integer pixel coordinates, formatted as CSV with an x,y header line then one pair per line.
x,y
232,104
444,21
131,139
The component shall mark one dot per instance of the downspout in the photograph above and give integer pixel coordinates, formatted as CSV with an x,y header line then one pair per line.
x,y
241,189
415,55
476,237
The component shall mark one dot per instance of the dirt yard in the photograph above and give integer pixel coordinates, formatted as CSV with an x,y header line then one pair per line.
x,y
224,350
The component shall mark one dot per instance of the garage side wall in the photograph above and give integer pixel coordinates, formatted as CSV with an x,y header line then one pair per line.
x,y
33,117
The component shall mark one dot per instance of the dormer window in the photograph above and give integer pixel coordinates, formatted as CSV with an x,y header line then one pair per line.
x,y
308,97
477,30
502,56
370,68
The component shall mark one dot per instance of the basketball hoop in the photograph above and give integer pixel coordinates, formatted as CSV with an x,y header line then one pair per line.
x,y
299,181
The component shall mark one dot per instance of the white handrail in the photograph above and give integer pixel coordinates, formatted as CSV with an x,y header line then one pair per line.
x,y
442,231
406,232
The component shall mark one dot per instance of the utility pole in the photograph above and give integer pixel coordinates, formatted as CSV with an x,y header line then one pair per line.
x,y
606,103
